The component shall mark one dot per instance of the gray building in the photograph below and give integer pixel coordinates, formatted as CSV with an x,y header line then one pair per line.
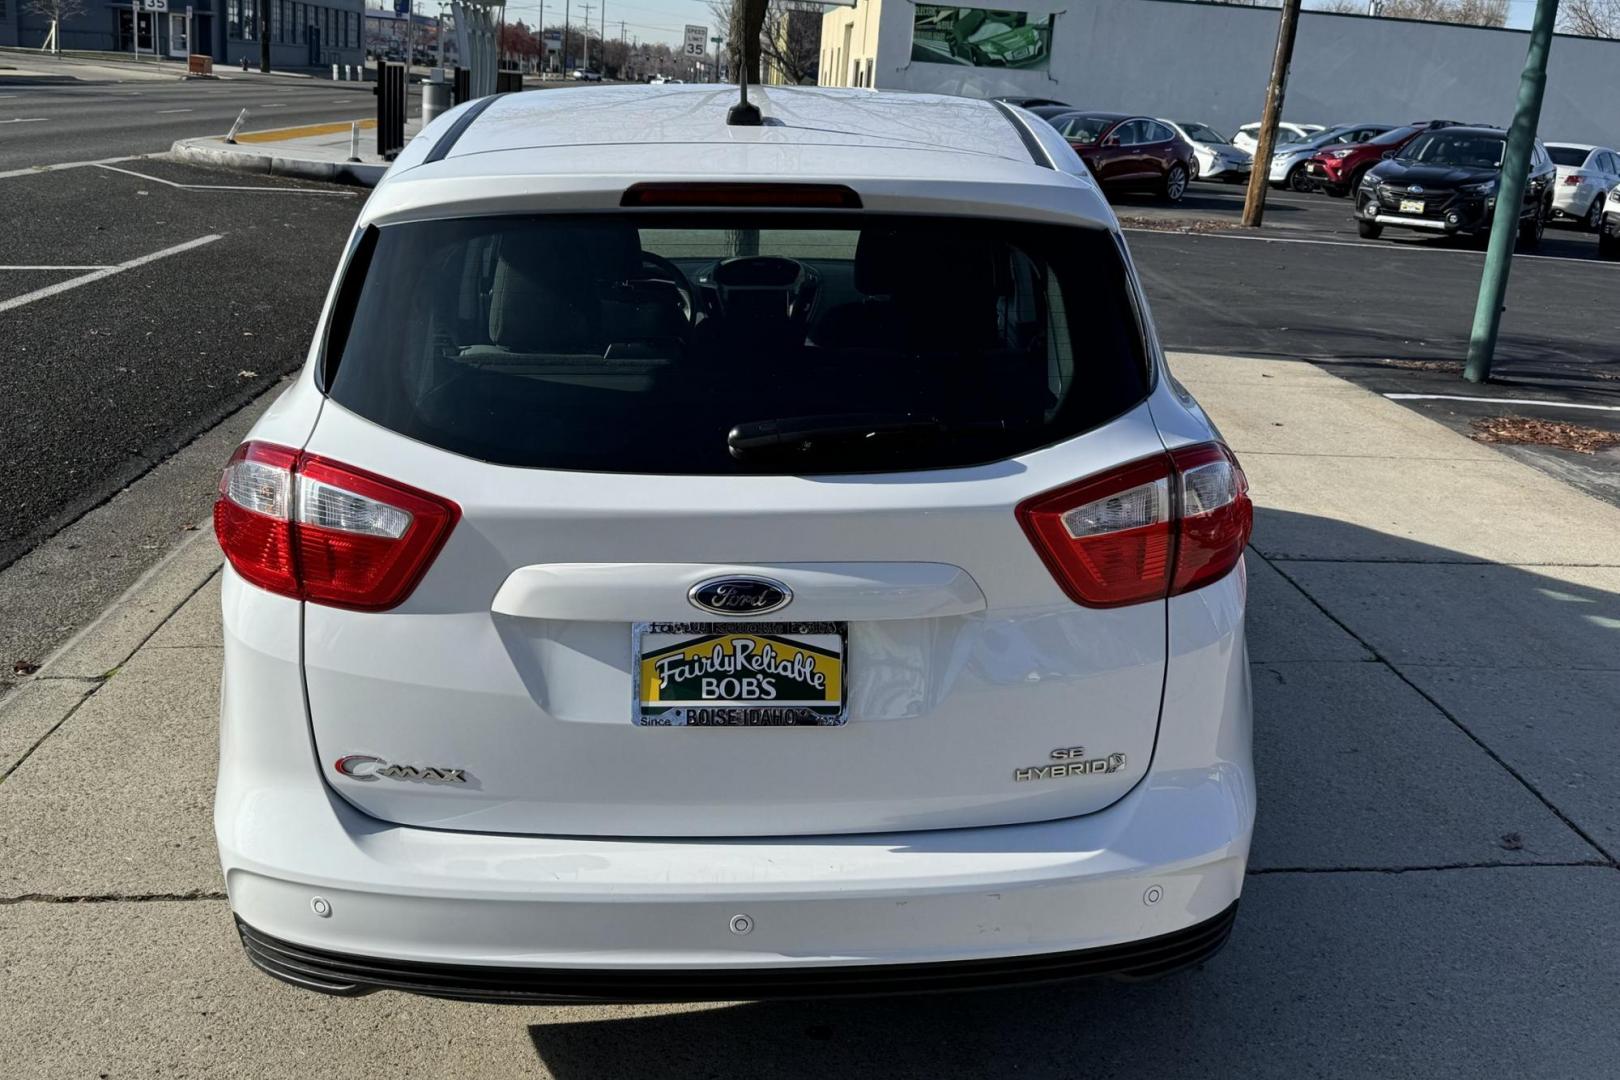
x,y
313,34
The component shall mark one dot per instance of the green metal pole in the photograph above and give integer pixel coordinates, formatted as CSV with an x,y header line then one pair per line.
x,y
1510,195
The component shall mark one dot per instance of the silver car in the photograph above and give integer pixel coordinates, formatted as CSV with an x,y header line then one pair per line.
x,y
1585,174
1214,155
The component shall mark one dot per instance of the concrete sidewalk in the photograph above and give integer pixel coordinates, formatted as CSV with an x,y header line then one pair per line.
x,y
1435,640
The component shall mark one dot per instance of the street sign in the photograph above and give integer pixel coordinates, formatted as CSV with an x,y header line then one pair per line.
x,y
402,7
697,41
154,5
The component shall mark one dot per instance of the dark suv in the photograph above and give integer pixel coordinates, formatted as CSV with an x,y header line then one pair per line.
x,y
1125,151
1445,181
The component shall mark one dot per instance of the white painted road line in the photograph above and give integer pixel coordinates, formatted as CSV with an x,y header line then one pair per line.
x,y
166,112
1361,244
1502,401
73,283
227,187
35,170
24,120
99,266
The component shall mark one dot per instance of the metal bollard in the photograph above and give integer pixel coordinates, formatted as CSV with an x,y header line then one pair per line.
x,y
241,119
334,73
354,141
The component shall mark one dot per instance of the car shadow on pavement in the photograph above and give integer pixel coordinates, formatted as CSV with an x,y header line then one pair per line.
x,y
1433,737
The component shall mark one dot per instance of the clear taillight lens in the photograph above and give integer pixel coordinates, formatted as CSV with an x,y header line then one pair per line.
x,y
1150,529
318,530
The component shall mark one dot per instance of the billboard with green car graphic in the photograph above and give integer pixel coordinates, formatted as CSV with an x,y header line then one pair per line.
x,y
981,37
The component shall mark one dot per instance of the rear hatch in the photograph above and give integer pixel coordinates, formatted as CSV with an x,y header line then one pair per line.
x,y
738,548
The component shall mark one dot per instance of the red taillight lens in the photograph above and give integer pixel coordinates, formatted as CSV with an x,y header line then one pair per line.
x,y
1154,528
1572,180
315,529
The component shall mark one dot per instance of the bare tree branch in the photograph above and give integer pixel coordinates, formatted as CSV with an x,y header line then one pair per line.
x,y
58,11
1590,18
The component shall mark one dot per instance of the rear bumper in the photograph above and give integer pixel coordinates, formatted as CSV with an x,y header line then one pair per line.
x,y
343,902
333,973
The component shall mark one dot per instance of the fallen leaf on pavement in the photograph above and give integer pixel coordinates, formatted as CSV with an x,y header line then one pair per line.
x,y
1525,430
24,667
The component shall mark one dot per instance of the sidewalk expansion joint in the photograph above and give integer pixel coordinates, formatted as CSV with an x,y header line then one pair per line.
x,y
95,684
1435,868
113,898
1524,781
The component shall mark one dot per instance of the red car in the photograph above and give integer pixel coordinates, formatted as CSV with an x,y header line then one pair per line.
x,y
1124,151
1338,170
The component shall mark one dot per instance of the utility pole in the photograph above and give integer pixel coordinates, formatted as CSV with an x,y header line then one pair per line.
x,y
585,39
1254,204
1510,196
565,68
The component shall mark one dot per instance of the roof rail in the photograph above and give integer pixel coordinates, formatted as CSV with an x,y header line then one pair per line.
x,y
1037,152
463,122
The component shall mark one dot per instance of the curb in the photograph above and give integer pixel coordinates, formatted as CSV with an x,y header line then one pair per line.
x,y
208,151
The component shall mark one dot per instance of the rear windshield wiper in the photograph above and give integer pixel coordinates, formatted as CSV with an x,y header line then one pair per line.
x,y
805,434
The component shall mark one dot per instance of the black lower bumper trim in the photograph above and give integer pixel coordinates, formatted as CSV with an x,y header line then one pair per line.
x,y
334,973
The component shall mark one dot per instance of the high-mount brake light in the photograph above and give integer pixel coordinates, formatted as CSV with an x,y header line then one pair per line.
x,y
766,196
315,529
1152,528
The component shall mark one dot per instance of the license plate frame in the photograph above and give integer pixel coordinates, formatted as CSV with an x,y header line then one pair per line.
x,y
1412,206
825,653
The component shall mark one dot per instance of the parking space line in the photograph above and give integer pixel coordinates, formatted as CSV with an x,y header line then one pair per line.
x,y
227,187
98,266
1502,401
1364,244
166,112
35,170
85,279
24,120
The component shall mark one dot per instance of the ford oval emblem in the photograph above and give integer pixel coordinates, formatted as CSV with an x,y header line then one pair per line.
x,y
1415,189
740,595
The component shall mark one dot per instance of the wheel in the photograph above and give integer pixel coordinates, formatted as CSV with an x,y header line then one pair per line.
x,y
1337,191
1369,230
1530,231
1192,169
1174,185
1609,243
1356,177
1594,215
1298,181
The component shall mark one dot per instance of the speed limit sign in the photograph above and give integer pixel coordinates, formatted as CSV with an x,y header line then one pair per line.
x,y
696,41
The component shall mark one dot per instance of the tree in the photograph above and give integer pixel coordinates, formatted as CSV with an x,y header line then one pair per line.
x,y
58,12
1463,12
783,33
1590,18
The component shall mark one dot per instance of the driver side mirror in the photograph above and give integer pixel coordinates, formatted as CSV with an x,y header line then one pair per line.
x,y
1387,155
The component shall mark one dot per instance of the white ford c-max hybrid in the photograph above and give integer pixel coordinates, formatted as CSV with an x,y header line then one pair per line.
x,y
712,561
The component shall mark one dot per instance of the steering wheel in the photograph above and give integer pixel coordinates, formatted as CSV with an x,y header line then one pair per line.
x,y
675,276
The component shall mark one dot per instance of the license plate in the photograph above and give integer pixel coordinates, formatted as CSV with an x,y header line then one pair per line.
x,y
1411,206
739,675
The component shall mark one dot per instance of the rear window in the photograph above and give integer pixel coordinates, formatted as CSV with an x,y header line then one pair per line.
x,y
716,344
1567,155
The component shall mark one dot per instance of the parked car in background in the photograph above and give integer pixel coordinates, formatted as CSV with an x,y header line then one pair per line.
x,y
1124,151
1046,112
1035,102
1445,181
1214,156
1338,170
1609,230
1287,168
1248,136
1586,174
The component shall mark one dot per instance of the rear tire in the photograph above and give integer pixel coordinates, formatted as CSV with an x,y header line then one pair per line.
x,y
1192,170
1369,230
1530,231
1594,214
1337,191
1609,244
1174,184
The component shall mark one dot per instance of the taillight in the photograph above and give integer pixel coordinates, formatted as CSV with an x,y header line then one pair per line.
x,y
1572,180
311,528
1158,527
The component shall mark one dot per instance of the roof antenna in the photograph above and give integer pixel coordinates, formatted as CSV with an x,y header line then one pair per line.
x,y
743,114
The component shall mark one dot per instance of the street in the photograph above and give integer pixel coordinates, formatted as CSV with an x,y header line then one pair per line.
x,y
1432,889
